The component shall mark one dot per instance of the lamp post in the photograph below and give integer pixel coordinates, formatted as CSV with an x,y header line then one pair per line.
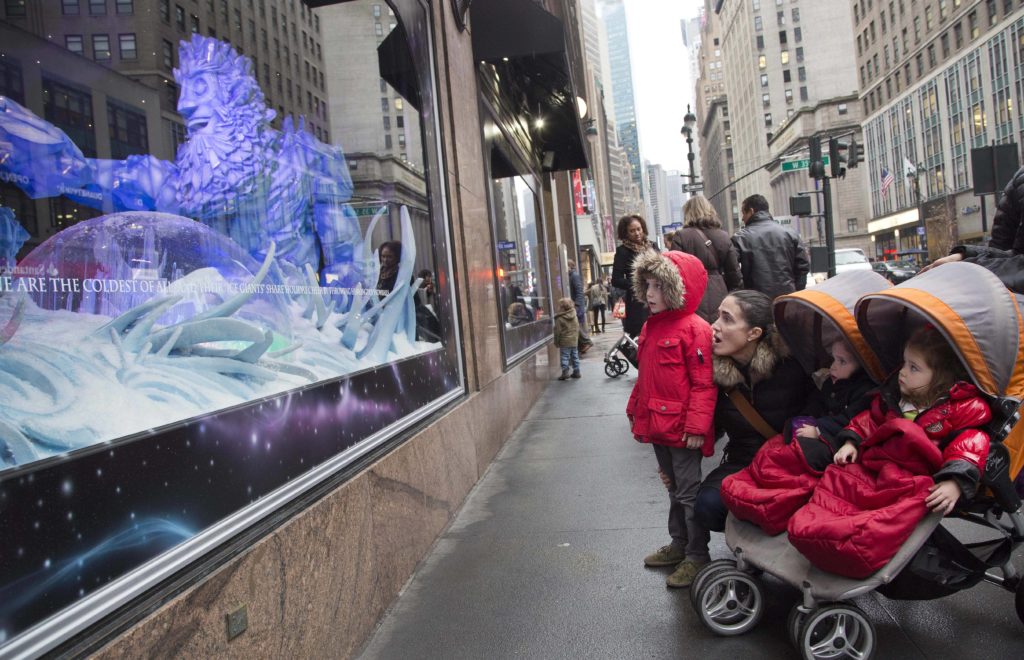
x,y
689,123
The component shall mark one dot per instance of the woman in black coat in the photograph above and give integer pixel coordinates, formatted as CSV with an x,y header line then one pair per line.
x,y
704,238
751,358
632,231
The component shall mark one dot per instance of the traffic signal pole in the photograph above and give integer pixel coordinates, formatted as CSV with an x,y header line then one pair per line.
x,y
830,235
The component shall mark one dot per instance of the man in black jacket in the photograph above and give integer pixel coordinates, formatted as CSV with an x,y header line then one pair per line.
x,y
772,257
1004,254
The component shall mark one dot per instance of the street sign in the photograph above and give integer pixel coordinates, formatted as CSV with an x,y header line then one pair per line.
x,y
693,187
506,245
802,164
367,211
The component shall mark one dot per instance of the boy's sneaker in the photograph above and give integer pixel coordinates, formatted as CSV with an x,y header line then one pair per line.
x,y
576,373
565,374
666,555
684,573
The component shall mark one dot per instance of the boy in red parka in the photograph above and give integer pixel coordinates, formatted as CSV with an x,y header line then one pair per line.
x,y
673,402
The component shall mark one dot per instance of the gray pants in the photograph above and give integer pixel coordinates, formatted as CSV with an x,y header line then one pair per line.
x,y
683,469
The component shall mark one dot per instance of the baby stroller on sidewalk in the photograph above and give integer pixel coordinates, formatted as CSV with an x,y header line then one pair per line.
x,y
618,358
982,321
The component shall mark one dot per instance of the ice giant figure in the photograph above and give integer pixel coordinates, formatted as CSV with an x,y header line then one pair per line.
x,y
234,173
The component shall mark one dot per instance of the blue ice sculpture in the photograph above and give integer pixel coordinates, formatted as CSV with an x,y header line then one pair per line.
x,y
235,173
12,237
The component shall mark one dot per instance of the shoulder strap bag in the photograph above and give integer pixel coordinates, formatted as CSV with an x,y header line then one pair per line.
x,y
709,249
753,417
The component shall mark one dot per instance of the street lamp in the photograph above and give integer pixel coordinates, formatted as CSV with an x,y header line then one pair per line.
x,y
689,123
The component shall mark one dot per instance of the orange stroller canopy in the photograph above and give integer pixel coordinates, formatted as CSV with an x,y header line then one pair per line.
x,y
979,317
812,319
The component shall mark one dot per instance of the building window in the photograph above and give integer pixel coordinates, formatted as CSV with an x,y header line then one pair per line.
x,y
803,93
126,44
127,131
787,76
69,7
782,37
797,35
851,225
780,18
97,7
124,7
766,100
101,47
167,50
760,42
796,14
768,119
376,11
71,110
972,21
801,74
758,26
789,96
179,17
784,57
993,13
764,80
73,42
799,53
194,22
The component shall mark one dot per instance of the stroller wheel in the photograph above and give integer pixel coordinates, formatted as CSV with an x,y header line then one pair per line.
x,y
837,631
730,602
621,365
795,624
611,369
706,571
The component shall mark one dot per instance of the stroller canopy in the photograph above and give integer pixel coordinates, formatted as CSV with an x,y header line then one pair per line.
x,y
973,310
812,319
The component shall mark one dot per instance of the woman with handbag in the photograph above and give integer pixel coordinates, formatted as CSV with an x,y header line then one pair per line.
x,y
759,387
632,231
704,238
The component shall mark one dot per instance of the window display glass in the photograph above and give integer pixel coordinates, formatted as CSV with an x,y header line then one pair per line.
x,y
214,293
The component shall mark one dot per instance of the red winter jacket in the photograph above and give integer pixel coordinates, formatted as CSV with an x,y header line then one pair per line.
x,y
953,419
674,392
860,515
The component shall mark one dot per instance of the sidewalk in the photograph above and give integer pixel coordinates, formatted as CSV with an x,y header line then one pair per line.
x,y
545,560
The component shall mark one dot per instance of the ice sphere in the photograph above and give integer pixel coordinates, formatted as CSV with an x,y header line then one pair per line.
x,y
113,263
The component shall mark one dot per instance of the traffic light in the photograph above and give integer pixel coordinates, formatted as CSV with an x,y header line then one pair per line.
x,y
856,154
815,167
837,157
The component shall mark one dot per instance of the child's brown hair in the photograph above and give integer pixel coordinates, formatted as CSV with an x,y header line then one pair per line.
x,y
941,359
565,304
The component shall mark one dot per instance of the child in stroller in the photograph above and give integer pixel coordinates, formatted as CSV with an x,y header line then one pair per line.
x,y
981,321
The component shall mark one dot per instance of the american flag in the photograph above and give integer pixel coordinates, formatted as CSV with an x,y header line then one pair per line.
x,y
887,180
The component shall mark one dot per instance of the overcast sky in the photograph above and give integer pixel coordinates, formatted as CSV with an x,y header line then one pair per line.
x,y
661,83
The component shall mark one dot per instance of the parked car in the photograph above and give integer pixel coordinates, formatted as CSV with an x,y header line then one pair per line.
x,y
851,259
895,271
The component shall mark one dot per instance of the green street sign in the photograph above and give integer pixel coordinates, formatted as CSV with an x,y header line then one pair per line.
x,y
791,165
365,211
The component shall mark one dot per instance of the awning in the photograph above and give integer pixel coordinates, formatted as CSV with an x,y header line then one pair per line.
x,y
526,46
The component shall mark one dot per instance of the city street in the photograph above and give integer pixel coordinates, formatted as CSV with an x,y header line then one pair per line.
x,y
545,560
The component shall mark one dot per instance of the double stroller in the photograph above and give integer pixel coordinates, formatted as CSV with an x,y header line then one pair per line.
x,y
982,320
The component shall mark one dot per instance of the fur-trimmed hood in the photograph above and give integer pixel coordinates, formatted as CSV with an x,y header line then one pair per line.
x,y
682,276
769,352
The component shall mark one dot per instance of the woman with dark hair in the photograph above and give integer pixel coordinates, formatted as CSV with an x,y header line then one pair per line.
x,y
759,385
632,231
390,255
704,238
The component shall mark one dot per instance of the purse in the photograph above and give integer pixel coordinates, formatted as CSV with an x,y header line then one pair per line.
x,y
619,311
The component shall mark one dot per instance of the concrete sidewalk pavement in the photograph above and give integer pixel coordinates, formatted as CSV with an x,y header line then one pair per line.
x,y
545,560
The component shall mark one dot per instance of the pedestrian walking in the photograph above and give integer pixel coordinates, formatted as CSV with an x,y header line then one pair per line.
x,y
704,238
597,297
567,330
673,401
632,232
579,298
773,259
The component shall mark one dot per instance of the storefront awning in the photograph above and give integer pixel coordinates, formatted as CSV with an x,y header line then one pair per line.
x,y
526,45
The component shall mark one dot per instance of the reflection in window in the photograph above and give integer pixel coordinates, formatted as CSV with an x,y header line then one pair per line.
x,y
522,297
